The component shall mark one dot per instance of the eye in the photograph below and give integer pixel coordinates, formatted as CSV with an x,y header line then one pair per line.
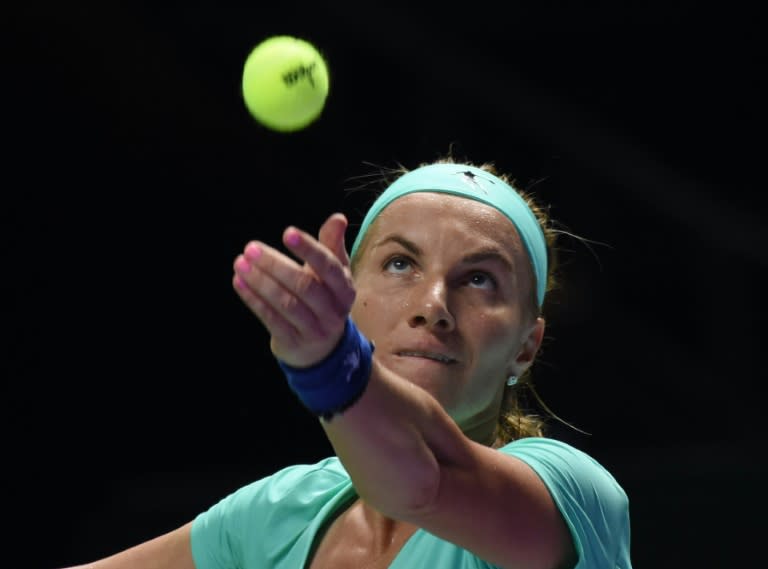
x,y
481,280
398,265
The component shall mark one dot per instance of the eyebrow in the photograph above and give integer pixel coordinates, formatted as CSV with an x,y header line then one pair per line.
x,y
405,243
488,254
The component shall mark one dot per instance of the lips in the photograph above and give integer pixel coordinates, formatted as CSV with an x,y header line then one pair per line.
x,y
435,356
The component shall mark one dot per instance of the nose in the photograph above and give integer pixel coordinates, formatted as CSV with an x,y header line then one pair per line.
x,y
429,307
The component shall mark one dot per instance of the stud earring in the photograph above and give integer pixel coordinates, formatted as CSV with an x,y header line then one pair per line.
x,y
512,380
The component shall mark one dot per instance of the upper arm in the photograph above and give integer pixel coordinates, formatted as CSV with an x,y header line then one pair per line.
x,y
168,551
496,506
536,503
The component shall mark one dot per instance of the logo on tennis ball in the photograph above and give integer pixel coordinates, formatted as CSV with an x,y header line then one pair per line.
x,y
299,73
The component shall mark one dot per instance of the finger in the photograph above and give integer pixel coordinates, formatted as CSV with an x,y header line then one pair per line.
x,y
273,321
297,345
325,264
332,236
259,292
292,289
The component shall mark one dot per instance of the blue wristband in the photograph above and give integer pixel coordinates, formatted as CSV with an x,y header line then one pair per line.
x,y
338,381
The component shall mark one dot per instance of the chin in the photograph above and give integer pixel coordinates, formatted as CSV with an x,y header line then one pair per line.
x,y
434,377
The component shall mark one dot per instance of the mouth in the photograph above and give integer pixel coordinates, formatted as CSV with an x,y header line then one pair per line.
x,y
443,359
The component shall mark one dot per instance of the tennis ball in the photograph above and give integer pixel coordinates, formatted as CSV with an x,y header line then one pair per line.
x,y
285,83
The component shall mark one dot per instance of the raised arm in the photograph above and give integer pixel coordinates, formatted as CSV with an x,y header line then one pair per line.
x,y
410,461
406,456
168,551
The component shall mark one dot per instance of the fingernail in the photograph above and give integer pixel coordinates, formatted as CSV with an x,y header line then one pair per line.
x,y
292,237
242,265
253,252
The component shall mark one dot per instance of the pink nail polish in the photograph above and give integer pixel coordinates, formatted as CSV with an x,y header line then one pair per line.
x,y
242,265
292,238
253,252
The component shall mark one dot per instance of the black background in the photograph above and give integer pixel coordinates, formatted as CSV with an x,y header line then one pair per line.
x,y
138,389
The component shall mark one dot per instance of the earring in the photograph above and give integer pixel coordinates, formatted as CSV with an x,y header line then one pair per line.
x,y
512,380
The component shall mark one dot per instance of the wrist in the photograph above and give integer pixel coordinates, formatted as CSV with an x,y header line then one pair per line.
x,y
337,382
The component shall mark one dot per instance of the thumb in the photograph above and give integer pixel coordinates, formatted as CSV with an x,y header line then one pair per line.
x,y
332,236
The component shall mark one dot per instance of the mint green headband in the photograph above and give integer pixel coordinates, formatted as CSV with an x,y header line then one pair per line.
x,y
479,185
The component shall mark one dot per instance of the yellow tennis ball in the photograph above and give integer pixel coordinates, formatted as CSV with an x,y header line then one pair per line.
x,y
285,83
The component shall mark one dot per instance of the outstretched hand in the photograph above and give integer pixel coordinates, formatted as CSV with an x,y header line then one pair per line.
x,y
303,305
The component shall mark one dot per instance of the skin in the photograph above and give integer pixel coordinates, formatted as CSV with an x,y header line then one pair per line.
x,y
454,288
443,300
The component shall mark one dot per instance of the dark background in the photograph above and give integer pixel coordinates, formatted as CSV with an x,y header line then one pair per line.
x,y
138,389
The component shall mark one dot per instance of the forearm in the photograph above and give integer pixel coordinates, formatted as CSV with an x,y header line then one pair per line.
x,y
395,443
168,551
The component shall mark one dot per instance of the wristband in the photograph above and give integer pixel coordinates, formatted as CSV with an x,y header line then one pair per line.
x,y
334,384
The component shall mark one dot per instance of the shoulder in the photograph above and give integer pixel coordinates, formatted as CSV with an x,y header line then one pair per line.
x,y
228,532
568,471
593,503
551,457
291,483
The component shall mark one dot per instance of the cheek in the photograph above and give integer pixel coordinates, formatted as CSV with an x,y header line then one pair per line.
x,y
496,340
367,312
375,299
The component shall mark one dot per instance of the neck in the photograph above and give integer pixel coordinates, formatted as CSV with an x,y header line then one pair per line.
x,y
481,428
383,530
482,433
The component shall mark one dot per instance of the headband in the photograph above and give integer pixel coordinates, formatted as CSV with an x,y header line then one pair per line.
x,y
479,185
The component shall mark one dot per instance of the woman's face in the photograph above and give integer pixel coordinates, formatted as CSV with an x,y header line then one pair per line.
x,y
442,286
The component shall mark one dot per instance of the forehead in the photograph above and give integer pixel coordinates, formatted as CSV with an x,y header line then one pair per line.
x,y
434,216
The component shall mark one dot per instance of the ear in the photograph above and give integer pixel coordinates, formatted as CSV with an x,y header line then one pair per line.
x,y
529,348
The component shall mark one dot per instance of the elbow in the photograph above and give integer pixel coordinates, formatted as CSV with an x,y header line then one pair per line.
x,y
423,493
412,491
